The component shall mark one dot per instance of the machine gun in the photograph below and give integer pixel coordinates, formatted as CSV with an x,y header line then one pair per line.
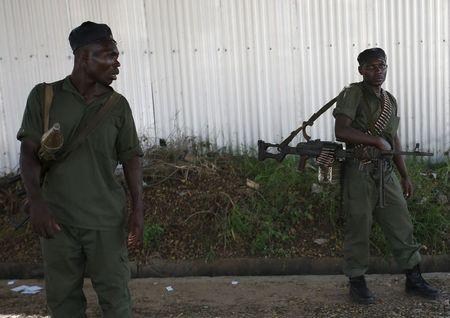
x,y
327,152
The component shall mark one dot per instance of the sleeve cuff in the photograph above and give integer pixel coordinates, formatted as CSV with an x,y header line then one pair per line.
x,y
348,114
127,155
22,134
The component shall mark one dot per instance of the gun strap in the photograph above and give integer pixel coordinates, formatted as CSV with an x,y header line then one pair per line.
x,y
322,110
307,123
85,130
48,98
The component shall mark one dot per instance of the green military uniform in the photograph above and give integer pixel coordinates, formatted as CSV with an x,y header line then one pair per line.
x,y
360,189
86,200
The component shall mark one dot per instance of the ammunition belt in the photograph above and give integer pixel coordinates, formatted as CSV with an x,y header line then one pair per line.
x,y
381,122
326,157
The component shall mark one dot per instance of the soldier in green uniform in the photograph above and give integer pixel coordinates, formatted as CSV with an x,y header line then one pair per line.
x,y
79,210
366,115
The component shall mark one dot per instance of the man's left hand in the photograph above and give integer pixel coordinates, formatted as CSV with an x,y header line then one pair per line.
x,y
136,228
407,187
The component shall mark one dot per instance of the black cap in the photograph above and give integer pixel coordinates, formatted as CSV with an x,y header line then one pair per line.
x,y
89,32
369,54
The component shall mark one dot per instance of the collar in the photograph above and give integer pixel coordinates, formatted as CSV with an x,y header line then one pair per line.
x,y
370,91
69,87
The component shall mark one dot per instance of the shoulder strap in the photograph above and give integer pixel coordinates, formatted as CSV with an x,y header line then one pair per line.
x,y
307,123
90,126
48,98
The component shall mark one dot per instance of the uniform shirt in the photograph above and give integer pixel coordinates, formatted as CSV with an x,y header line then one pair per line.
x,y
359,103
81,190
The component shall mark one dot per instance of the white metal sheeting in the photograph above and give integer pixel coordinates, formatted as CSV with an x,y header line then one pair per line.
x,y
235,71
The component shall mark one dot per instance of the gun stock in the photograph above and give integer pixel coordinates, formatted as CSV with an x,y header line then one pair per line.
x,y
263,154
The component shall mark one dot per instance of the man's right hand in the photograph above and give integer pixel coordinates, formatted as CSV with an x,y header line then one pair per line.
x,y
382,144
345,132
42,220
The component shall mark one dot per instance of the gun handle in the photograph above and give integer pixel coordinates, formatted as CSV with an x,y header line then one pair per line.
x,y
302,163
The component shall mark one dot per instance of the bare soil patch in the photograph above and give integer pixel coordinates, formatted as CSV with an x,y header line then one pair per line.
x,y
274,296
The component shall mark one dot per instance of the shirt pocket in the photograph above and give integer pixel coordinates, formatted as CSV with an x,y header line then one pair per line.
x,y
104,137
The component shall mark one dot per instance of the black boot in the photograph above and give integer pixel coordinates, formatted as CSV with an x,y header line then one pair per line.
x,y
359,291
416,285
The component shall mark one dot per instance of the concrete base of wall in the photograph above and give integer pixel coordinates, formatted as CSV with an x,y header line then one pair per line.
x,y
242,267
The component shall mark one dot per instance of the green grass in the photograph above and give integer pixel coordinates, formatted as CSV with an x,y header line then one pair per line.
x,y
276,218
285,200
268,219
152,235
431,216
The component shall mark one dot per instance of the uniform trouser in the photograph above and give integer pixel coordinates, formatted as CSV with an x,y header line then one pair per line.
x,y
103,255
360,197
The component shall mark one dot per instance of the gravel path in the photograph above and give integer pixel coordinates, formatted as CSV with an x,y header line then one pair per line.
x,y
257,296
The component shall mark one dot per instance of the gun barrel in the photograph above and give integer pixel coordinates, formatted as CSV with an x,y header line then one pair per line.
x,y
408,153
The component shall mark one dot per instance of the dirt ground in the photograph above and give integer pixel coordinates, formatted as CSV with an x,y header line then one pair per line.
x,y
263,296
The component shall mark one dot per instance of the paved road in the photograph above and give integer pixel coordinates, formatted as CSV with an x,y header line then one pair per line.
x,y
261,296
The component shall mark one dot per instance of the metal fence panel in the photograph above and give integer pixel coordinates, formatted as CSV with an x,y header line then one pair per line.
x,y
235,71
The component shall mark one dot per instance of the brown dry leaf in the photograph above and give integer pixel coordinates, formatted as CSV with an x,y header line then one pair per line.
x,y
190,157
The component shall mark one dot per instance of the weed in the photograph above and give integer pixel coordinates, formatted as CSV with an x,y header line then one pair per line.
x,y
284,212
211,255
431,217
240,222
288,200
152,235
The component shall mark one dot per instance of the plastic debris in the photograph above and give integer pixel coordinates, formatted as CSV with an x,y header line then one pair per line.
x,y
320,241
19,288
429,175
25,289
169,288
11,282
234,282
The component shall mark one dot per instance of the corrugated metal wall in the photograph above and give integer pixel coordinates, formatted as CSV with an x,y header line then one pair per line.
x,y
235,71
